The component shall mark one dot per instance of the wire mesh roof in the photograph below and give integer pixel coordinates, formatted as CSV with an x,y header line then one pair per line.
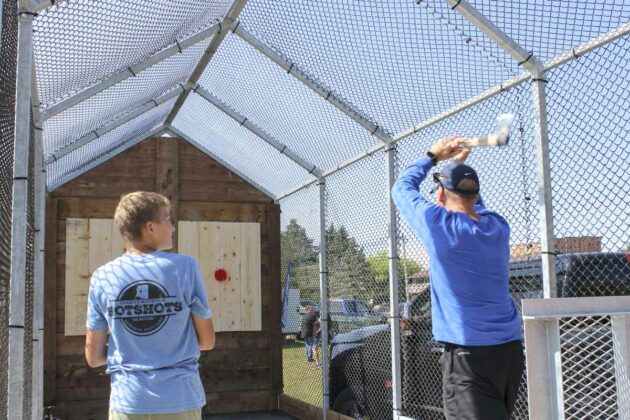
x,y
70,165
325,82
78,43
113,103
398,61
262,91
551,28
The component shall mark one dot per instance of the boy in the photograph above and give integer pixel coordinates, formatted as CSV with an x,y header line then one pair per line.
x,y
155,307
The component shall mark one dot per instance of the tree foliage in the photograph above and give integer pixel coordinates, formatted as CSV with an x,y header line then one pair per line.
x,y
351,274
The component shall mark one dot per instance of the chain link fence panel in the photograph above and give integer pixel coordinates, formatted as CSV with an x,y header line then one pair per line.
x,y
119,100
399,62
588,106
74,163
358,279
552,28
508,177
299,242
311,126
29,279
231,142
588,368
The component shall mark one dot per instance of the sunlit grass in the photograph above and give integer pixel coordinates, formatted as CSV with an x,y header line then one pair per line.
x,y
301,380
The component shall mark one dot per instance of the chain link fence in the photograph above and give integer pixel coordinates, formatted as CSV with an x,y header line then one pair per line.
x,y
588,130
299,240
358,294
508,185
587,354
8,246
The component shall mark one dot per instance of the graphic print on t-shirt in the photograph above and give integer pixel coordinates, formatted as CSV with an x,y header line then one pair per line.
x,y
143,307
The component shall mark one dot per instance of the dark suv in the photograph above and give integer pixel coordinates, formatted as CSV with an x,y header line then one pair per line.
x,y
360,368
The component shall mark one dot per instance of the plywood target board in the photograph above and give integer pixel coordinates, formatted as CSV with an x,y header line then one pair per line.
x,y
90,243
229,258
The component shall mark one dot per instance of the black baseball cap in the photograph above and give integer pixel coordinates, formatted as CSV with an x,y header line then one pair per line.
x,y
451,176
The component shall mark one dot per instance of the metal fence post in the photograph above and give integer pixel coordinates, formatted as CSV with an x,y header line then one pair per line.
x,y
543,383
547,239
19,214
38,269
323,293
394,309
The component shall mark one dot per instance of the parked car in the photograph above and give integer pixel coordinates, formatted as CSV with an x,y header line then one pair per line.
x,y
349,314
306,303
360,369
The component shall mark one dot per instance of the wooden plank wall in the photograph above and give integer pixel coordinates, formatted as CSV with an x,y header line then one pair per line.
x,y
244,371
305,411
90,243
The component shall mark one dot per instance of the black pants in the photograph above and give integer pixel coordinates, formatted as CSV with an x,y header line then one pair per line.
x,y
481,382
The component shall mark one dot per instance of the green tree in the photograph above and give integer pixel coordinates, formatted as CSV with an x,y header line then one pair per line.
x,y
349,274
379,264
298,249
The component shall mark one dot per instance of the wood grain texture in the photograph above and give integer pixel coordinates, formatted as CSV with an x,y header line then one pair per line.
x,y
230,261
251,318
77,275
275,298
104,244
209,242
234,248
50,302
222,212
167,176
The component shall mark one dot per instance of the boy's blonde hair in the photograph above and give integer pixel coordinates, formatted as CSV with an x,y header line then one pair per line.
x,y
135,209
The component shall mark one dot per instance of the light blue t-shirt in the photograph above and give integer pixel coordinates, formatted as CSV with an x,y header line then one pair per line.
x,y
469,265
146,302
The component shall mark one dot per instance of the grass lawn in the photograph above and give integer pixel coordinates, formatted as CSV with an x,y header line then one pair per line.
x,y
301,381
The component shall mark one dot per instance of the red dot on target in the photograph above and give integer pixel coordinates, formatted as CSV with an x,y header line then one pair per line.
x,y
220,275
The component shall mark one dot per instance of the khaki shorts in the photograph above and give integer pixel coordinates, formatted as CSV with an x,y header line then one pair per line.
x,y
194,414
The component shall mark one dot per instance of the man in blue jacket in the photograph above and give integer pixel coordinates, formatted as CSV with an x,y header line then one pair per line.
x,y
472,311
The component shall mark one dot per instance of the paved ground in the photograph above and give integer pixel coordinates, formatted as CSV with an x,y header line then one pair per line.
x,y
268,415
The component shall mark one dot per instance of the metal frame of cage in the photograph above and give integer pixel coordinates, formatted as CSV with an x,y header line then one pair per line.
x,y
27,94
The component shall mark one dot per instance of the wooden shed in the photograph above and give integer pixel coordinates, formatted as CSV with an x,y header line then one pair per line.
x,y
244,371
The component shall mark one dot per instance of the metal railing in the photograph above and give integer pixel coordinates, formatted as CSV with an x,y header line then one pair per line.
x,y
578,357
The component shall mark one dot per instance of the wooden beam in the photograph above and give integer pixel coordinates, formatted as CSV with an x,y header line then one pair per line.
x,y
275,308
50,302
201,211
305,411
167,175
